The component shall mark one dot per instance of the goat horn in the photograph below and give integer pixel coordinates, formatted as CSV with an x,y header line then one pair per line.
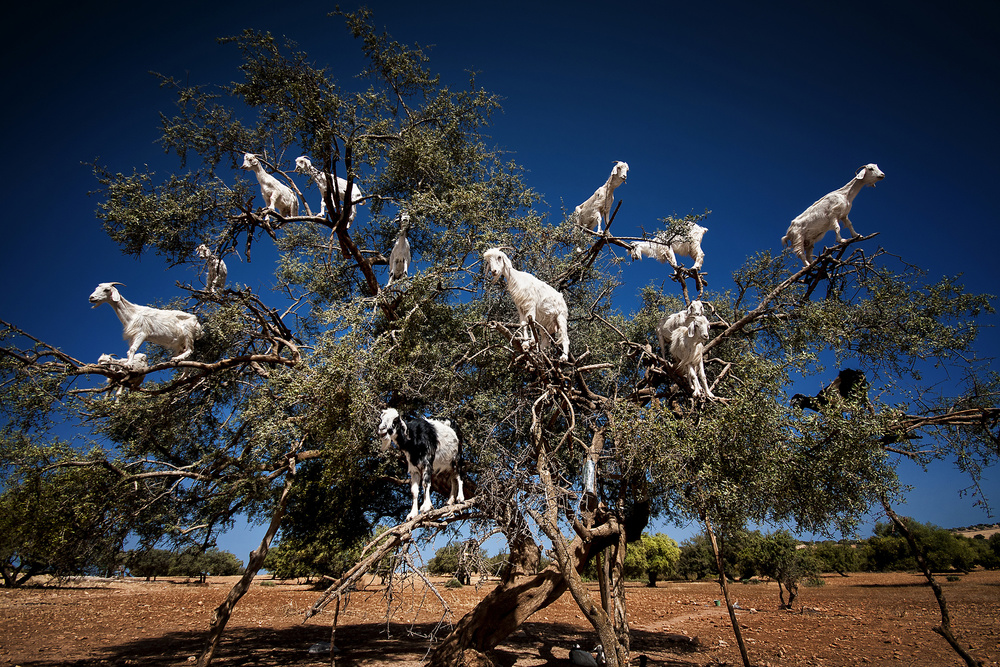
x,y
122,284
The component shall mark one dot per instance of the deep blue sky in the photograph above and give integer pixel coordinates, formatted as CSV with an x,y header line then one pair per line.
x,y
752,110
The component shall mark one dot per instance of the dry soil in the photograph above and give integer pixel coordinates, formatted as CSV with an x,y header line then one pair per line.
x,y
864,619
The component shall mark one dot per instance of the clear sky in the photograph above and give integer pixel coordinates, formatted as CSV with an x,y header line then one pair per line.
x,y
752,110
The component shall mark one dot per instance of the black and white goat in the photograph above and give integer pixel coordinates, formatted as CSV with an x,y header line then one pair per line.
x,y
431,447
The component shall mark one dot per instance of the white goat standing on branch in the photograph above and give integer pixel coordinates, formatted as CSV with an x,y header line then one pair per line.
x,y
277,196
666,246
217,270
827,213
590,213
687,348
304,166
172,329
536,301
682,318
399,258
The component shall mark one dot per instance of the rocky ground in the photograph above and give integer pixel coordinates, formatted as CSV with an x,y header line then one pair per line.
x,y
865,619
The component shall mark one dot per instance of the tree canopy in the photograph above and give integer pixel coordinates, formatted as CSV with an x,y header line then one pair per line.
x,y
274,414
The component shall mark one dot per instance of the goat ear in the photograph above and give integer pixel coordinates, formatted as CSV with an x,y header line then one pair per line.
x,y
860,173
691,328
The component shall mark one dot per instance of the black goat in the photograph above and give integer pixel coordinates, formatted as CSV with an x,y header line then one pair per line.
x,y
850,384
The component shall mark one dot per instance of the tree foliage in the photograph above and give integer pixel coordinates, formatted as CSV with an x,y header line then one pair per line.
x,y
653,557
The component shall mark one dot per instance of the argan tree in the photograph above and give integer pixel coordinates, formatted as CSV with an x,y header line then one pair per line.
x,y
276,410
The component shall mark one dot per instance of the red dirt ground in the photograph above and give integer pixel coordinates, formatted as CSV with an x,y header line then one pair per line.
x,y
865,619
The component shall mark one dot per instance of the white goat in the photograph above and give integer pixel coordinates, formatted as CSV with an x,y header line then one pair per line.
x,y
217,270
138,364
827,213
590,213
172,329
304,166
665,247
682,318
277,196
536,301
399,258
686,347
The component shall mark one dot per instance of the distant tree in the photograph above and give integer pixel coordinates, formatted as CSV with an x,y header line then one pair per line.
x,y
994,543
202,563
779,557
220,563
696,560
445,560
59,520
982,552
941,549
459,559
737,549
840,557
653,557
150,563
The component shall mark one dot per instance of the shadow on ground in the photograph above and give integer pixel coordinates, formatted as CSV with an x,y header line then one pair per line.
x,y
534,644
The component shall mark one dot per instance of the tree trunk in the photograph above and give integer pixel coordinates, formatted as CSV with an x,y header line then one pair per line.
x,y
781,595
945,628
515,599
619,617
220,617
725,592
500,614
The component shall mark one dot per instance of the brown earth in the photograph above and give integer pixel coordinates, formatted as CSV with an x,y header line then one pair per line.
x,y
865,619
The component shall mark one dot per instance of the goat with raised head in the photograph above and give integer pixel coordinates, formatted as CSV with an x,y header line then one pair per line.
x,y
682,318
536,301
666,246
304,165
172,329
850,384
687,348
432,449
827,213
590,213
217,270
399,258
277,196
